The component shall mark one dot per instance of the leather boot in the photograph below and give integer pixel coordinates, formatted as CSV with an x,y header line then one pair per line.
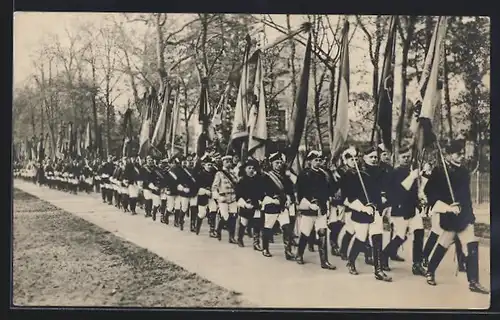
x,y
211,222
434,262
176,218
461,259
377,254
323,253
301,248
266,235
346,240
148,207
218,231
231,228
133,203
287,242
182,219
241,233
167,217
155,211
256,239
472,268
368,253
311,241
193,214
198,225
125,201
357,247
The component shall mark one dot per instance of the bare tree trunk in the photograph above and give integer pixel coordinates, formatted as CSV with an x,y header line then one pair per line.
x,y
292,61
331,105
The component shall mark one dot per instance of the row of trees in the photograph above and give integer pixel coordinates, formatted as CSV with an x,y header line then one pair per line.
x,y
83,75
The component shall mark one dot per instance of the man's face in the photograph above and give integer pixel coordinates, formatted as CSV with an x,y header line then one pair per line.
x,y
236,159
315,163
250,171
457,157
207,166
227,163
277,164
351,161
371,159
385,157
404,159
149,161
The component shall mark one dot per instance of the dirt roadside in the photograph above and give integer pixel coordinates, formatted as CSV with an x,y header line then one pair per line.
x,y
62,260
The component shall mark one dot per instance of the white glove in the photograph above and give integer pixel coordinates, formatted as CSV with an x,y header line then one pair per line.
x,y
455,208
248,205
186,190
314,207
369,210
180,188
384,199
415,173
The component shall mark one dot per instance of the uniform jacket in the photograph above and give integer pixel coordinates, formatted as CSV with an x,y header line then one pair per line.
x,y
205,179
314,185
437,189
224,185
277,186
403,201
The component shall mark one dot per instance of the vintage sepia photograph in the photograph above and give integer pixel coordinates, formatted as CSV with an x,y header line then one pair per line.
x,y
246,161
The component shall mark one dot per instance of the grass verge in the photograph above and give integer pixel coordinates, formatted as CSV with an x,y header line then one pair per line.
x,y
62,260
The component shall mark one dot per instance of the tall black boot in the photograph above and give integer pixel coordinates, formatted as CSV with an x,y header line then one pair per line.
x,y
287,242
176,217
344,247
133,203
148,207
472,268
323,251
116,195
256,238
418,243
155,211
389,251
357,247
377,255
125,201
182,219
167,217
231,228
103,195
368,253
199,221
301,248
241,233
335,228
193,215
109,195
312,240
429,246
163,206
460,255
436,259
211,217
220,226
266,235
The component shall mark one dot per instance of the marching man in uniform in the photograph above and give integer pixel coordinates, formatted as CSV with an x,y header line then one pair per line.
x,y
278,193
404,198
206,204
185,190
448,193
150,188
249,193
129,179
313,192
364,199
223,192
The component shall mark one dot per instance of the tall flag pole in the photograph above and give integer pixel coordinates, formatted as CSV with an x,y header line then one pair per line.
x,y
203,118
257,117
341,127
386,91
175,120
296,129
425,106
240,123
